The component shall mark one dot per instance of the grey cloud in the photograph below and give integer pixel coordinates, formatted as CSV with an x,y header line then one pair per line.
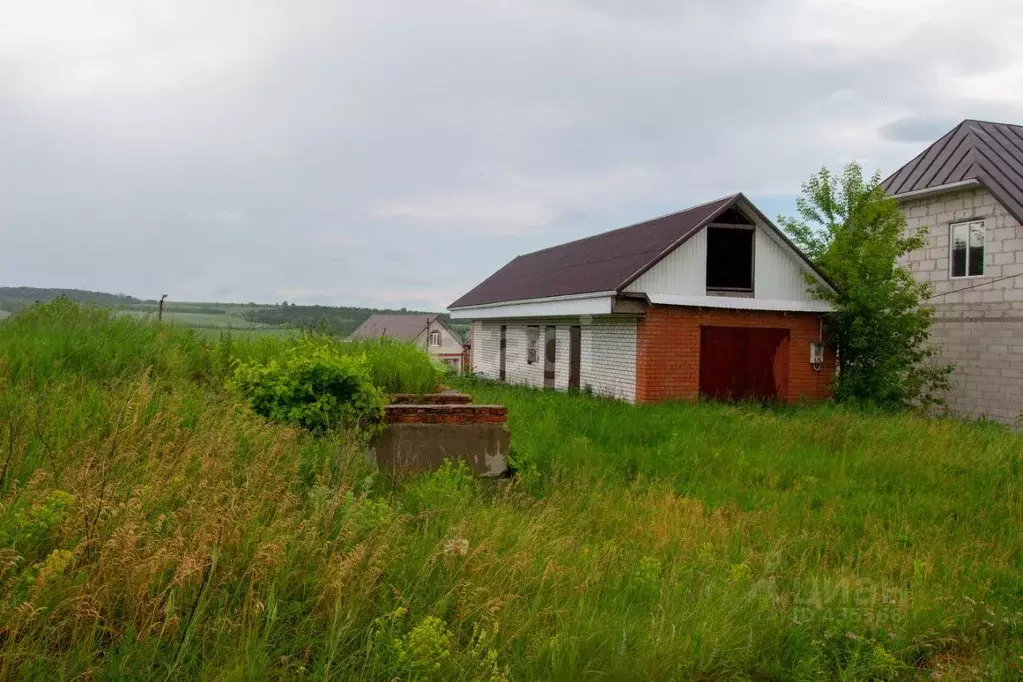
x,y
334,152
917,128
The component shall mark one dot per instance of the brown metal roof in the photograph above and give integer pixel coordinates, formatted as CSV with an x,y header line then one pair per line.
x,y
401,327
990,153
603,262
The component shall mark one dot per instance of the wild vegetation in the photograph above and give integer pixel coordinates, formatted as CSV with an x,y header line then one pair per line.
x,y
153,527
881,321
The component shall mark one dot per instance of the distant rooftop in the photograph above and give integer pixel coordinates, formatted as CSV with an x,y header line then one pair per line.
x,y
403,327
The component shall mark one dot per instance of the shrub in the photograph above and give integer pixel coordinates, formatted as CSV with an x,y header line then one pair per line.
x,y
313,385
426,647
881,320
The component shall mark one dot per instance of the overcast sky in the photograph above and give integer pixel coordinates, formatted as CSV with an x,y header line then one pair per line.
x,y
396,153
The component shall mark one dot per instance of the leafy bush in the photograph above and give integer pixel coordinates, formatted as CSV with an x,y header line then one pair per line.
x,y
313,385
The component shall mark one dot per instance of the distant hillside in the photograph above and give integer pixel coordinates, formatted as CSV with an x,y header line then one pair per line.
x,y
340,320
14,299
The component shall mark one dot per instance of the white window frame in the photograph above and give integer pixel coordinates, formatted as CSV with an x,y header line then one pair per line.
x,y
434,338
951,243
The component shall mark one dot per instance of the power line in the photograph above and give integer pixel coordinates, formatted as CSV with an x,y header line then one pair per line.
x,y
981,284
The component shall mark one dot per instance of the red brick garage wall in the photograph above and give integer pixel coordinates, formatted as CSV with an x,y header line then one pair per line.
x,y
668,350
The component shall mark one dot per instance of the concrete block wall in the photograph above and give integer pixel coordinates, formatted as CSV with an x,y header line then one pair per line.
x,y
977,318
1003,250
607,362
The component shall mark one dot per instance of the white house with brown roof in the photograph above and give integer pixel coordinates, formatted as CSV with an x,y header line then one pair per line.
x,y
709,301
429,332
966,189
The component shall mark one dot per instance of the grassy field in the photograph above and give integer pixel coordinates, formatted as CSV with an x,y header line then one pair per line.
x,y
202,320
151,527
213,325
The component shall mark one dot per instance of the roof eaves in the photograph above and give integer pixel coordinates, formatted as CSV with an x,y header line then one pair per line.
x,y
542,299
1001,194
937,189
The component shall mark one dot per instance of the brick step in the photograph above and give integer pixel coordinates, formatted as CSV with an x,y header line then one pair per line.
x,y
446,398
412,413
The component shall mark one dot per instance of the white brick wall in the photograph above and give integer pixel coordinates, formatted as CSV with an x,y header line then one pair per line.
x,y
978,320
608,357
607,362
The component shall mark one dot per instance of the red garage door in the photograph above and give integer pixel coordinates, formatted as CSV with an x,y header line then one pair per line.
x,y
744,363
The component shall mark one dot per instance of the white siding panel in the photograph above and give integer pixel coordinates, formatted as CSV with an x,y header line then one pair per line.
x,y
682,272
777,271
778,274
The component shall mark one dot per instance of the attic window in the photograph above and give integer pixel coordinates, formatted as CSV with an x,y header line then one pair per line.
x,y
730,259
435,338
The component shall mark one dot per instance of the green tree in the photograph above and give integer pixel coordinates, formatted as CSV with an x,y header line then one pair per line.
x,y
858,237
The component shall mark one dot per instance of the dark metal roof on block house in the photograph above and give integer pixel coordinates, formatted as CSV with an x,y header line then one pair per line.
x,y
609,261
404,327
988,153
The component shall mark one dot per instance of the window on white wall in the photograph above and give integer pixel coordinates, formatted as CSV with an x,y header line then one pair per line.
x,y
532,342
967,246
730,258
435,338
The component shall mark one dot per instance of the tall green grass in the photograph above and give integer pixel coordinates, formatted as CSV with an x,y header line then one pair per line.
x,y
62,339
151,527
397,367
394,367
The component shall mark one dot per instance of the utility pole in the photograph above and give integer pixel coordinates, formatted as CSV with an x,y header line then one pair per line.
x,y
159,314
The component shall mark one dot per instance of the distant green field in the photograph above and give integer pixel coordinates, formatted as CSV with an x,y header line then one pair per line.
x,y
204,320
243,333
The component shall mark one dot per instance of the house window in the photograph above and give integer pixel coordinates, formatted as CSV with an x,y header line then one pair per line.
x,y
532,341
435,338
730,259
967,244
